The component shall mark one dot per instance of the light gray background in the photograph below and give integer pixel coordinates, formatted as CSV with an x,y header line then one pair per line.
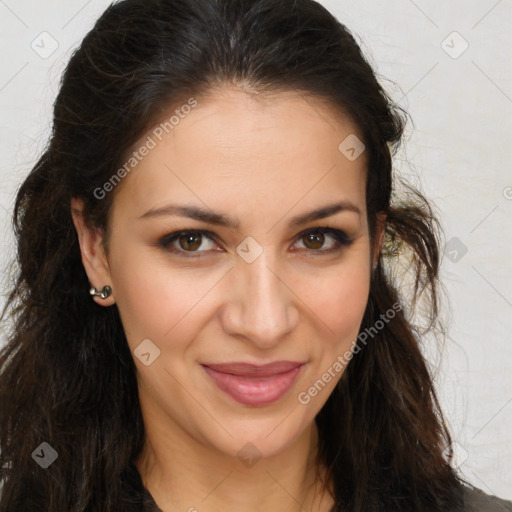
x,y
459,149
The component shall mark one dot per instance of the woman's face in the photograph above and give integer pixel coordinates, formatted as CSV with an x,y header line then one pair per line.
x,y
269,287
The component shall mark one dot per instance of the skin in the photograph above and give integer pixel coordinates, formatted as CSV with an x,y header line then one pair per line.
x,y
259,160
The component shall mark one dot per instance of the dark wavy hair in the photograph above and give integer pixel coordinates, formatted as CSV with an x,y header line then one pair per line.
x,y
67,376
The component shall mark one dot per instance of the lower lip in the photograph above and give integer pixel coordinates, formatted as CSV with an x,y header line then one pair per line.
x,y
254,391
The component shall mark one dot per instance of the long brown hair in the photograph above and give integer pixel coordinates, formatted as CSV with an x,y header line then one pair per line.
x,y
67,376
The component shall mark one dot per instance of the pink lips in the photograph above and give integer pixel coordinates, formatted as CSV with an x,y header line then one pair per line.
x,y
254,385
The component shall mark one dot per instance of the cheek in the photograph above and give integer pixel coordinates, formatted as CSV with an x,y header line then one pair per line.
x,y
155,302
339,303
338,298
348,303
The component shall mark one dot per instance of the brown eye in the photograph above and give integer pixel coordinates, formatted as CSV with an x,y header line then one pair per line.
x,y
314,240
190,241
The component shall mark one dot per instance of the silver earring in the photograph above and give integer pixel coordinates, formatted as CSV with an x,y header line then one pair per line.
x,y
103,293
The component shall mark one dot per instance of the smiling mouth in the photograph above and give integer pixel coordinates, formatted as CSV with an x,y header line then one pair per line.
x,y
254,385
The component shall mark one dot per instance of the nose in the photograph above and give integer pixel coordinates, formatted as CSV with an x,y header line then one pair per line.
x,y
262,306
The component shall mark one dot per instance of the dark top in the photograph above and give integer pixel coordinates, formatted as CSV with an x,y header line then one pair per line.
x,y
474,499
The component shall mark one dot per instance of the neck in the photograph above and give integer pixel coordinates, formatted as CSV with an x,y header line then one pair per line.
x,y
182,474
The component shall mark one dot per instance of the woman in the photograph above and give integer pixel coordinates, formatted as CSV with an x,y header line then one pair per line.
x,y
206,315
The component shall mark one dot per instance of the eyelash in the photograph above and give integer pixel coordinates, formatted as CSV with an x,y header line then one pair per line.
x,y
340,237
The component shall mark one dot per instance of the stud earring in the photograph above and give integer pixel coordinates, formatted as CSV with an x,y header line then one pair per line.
x,y
105,292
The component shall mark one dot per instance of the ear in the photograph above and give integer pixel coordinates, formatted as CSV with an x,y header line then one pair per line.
x,y
93,254
379,237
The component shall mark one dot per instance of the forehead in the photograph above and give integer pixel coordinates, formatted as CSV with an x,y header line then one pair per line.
x,y
236,148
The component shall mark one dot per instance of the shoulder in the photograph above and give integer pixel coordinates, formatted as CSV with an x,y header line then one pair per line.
x,y
476,500
136,496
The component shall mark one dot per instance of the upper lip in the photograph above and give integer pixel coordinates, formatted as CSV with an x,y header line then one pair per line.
x,y
254,370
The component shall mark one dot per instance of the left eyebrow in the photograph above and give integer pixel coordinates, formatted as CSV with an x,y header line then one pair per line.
x,y
325,211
